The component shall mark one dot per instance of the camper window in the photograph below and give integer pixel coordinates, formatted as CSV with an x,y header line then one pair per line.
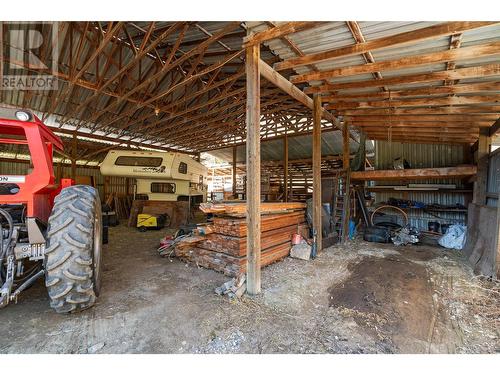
x,y
183,168
138,161
163,187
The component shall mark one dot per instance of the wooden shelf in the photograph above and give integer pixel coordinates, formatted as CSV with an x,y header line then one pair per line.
x,y
375,189
457,210
415,174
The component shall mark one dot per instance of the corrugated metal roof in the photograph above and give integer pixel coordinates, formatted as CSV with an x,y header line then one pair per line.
x,y
299,147
333,35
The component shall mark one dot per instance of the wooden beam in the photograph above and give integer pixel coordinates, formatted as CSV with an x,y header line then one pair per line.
x,y
277,32
359,38
316,167
477,51
285,167
117,140
463,73
345,146
436,119
494,128
252,63
384,124
415,174
420,102
277,79
427,91
413,36
234,170
74,149
138,56
479,110
481,182
423,140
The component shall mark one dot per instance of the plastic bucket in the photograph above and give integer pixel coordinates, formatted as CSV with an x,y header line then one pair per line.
x,y
296,239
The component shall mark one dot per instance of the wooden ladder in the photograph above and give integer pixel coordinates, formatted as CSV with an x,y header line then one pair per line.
x,y
341,204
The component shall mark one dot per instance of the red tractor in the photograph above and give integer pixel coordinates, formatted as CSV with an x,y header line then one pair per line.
x,y
47,230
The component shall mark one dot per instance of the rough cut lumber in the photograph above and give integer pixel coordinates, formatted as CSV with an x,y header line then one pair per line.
x,y
415,174
237,246
316,167
253,206
413,36
239,209
238,227
230,265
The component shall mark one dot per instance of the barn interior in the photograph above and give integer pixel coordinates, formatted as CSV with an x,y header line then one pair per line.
x,y
349,191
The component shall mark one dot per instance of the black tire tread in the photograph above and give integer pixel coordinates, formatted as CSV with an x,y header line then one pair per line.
x,y
69,249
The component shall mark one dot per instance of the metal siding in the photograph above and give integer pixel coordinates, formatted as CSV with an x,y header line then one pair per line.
x,y
423,156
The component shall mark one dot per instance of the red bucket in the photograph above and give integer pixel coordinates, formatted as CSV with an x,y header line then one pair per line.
x,y
296,239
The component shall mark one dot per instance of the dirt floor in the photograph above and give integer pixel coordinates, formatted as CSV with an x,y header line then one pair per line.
x,y
357,298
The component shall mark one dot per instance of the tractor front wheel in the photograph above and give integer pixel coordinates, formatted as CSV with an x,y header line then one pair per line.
x,y
73,253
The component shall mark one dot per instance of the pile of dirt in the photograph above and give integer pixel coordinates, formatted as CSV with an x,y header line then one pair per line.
x,y
391,297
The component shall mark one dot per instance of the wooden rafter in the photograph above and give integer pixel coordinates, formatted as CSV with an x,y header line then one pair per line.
x,y
413,36
277,32
482,50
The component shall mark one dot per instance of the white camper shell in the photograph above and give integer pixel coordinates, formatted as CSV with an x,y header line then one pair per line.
x,y
166,176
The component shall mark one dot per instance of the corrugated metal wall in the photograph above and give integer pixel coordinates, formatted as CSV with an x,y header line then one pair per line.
x,y
494,177
423,156
115,184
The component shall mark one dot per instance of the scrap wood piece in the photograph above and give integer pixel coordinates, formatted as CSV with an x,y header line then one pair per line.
x,y
234,288
189,241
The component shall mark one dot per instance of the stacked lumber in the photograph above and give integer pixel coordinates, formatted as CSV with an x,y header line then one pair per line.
x,y
238,209
222,245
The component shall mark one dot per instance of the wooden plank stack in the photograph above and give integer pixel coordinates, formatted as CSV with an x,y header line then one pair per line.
x,y
223,249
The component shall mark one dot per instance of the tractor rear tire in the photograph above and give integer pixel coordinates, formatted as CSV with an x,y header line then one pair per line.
x,y
73,253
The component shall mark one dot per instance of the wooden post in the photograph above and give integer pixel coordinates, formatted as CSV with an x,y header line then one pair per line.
x,y
234,171
480,185
74,148
285,167
316,167
253,168
345,146
347,168
497,239
106,187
